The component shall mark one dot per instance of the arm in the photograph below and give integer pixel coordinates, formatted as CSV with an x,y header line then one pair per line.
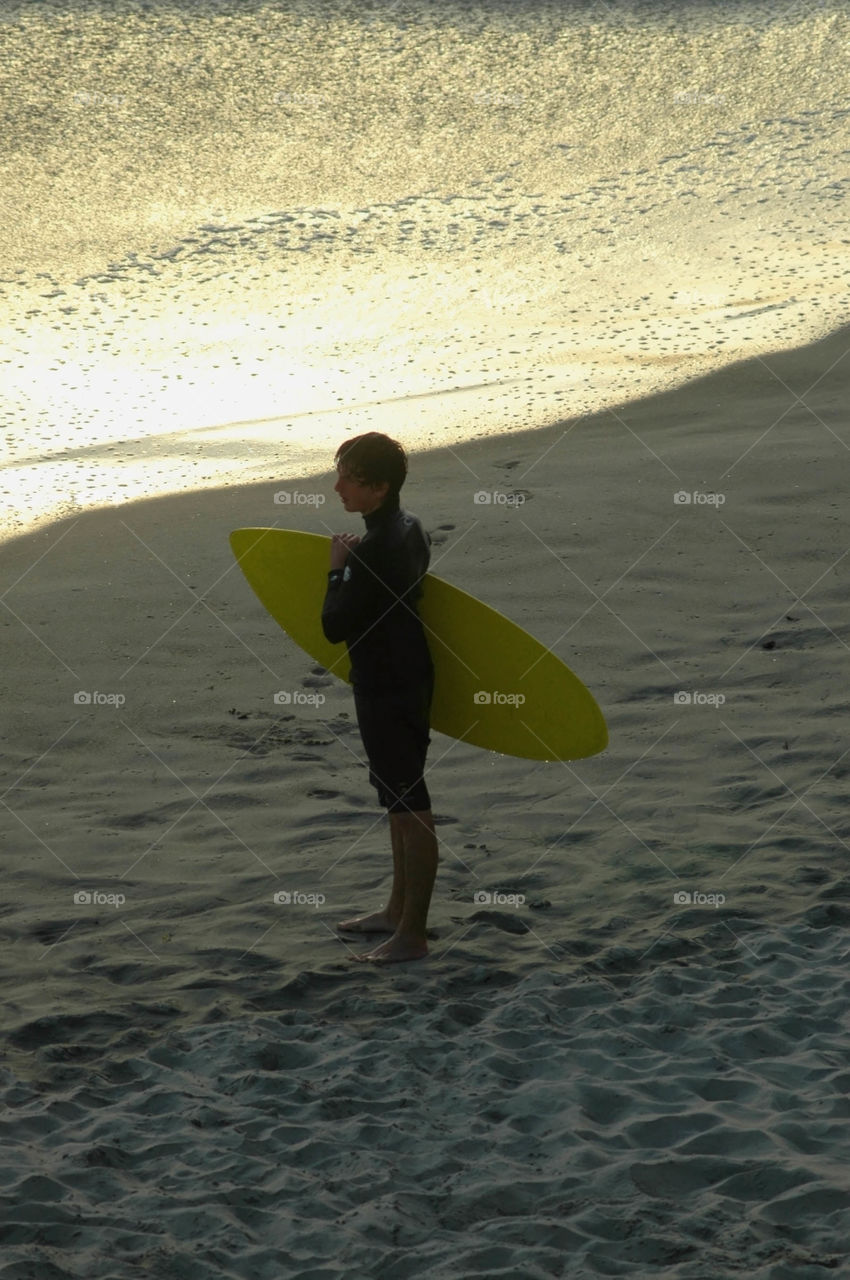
x,y
356,596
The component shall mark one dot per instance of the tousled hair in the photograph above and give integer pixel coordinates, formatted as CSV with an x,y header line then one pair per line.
x,y
374,458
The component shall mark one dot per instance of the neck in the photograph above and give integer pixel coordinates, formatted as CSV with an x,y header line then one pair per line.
x,y
386,508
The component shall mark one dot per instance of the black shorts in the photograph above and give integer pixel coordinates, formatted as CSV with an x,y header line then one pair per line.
x,y
394,729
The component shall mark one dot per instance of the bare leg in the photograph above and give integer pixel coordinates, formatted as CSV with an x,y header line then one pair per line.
x,y
419,861
385,921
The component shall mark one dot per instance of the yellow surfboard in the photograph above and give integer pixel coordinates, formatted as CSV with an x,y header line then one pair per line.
x,y
494,685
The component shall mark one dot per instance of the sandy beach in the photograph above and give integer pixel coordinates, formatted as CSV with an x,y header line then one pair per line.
x,y
590,259
597,1080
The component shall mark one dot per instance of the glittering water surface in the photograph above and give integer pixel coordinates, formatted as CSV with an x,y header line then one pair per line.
x,y
234,233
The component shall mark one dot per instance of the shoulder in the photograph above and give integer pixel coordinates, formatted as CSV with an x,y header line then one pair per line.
x,y
410,526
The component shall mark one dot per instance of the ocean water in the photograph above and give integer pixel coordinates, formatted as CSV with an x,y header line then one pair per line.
x,y
235,233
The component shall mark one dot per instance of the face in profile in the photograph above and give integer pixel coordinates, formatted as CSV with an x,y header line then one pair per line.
x,y
356,494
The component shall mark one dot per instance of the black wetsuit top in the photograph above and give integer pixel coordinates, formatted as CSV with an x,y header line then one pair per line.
x,y
371,604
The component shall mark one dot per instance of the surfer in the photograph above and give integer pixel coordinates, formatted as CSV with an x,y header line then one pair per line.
x,y
370,603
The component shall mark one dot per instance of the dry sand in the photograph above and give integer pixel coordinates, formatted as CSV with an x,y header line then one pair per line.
x,y
596,1082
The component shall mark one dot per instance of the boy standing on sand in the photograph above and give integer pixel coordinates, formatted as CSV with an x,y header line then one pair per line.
x,y
373,586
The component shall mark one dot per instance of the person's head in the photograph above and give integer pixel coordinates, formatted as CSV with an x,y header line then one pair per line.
x,y
371,470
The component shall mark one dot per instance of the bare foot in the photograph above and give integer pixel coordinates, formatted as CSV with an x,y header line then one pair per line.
x,y
395,949
377,922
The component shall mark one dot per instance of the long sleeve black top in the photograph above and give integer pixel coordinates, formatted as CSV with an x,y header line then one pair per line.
x,y
371,603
